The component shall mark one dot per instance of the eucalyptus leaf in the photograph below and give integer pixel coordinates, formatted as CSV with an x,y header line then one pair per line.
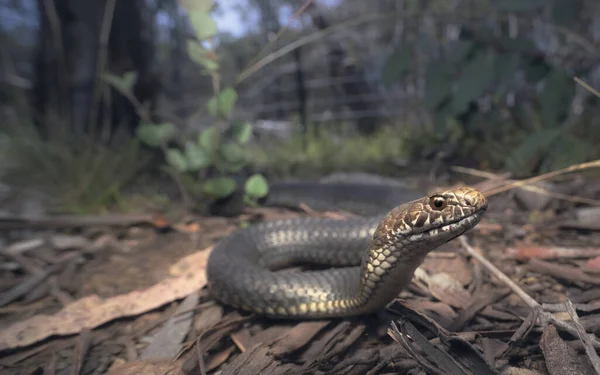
x,y
477,76
222,104
460,50
213,106
257,186
397,65
209,138
123,84
241,131
232,152
506,69
156,135
568,150
197,157
191,184
197,5
556,98
522,158
201,56
176,159
219,187
438,83
203,24
230,167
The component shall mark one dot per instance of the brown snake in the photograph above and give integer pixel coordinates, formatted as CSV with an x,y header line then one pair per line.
x,y
376,257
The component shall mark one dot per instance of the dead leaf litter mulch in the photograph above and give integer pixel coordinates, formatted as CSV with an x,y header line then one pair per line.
x,y
125,295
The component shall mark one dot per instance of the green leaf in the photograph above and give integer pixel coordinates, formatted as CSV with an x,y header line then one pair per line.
x,y
556,98
519,45
520,5
477,76
257,186
209,138
536,70
156,135
523,158
506,67
191,184
397,65
460,50
203,24
232,152
201,56
213,106
242,131
568,150
233,167
219,187
222,104
196,156
176,159
438,84
123,84
197,5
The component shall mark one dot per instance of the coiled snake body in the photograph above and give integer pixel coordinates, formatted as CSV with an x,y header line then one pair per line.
x,y
376,256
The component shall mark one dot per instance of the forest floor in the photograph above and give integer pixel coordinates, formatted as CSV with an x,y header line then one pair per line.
x,y
125,294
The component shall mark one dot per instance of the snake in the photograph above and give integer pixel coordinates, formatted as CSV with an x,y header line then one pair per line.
x,y
366,261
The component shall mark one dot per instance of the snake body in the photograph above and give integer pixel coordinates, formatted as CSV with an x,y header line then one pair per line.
x,y
375,257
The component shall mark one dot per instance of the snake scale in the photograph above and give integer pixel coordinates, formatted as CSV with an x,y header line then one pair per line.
x,y
373,258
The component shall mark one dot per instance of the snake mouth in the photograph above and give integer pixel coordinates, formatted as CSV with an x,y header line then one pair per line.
x,y
463,225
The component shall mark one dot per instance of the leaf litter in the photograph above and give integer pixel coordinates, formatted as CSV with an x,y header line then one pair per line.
x,y
521,300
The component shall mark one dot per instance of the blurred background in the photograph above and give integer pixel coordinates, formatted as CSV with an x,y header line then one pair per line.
x,y
103,101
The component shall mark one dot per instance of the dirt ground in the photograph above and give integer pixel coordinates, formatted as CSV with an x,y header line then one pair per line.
x,y
125,295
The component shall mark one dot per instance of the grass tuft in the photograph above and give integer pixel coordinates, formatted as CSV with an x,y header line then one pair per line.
x,y
312,155
78,174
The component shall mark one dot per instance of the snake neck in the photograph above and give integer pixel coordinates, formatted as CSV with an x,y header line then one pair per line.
x,y
380,283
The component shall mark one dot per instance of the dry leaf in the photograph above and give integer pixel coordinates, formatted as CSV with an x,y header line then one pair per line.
x,y
92,311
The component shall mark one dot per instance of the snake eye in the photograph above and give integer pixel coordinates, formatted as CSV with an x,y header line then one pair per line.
x,y
437,203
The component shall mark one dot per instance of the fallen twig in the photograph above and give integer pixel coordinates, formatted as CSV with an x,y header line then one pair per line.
x,y
584,337
68,221
544,317
525,184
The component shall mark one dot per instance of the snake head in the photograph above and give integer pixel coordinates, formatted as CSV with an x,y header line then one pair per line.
x,y
434,219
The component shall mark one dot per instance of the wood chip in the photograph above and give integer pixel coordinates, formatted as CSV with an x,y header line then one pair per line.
x,y
219,358
298,337
242,339
562,271
146,367
448,290
166,343
560,358
208,317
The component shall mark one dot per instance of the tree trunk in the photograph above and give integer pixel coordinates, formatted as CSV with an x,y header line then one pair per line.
x,y
69,95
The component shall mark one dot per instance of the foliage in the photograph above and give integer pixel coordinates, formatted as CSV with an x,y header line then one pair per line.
x,y
473,81
316,153
203,165
79,174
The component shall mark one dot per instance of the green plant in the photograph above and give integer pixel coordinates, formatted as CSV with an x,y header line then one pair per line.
x,y
202,167
78,174
311,155
510,99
